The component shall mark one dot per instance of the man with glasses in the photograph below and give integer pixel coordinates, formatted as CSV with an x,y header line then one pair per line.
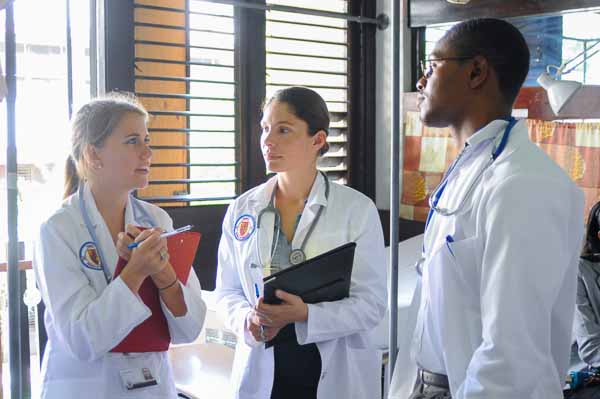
x,y
499,261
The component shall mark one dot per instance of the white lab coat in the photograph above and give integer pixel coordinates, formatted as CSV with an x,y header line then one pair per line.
x,y
85,318
498,295
342,330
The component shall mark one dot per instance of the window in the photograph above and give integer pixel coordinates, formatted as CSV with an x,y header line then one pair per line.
x,y
191,57
184,57
42,142
552,40
312,51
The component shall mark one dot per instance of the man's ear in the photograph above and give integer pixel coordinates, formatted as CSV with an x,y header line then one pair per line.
x,y
480,70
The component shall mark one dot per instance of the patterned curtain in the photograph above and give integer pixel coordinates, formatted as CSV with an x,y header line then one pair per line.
x,y
428,152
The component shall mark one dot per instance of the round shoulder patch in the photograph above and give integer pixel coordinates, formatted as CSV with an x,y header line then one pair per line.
x,y
88,255
244,227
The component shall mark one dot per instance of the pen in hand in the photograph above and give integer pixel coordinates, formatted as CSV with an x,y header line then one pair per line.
x,y
262,328
165,235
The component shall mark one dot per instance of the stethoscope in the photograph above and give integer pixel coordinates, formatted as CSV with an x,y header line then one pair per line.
x,y
434,199
296,255
140,215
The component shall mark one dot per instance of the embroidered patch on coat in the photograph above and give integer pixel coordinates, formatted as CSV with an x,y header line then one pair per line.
x,y
88,255
244,227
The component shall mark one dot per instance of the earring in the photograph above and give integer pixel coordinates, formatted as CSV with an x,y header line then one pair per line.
x,y
97,165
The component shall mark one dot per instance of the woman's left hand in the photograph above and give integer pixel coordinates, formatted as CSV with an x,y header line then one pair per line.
x,y
292,309
124,239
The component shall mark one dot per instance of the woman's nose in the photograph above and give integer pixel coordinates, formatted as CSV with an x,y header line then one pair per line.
x,y
421,84
267,138
147,152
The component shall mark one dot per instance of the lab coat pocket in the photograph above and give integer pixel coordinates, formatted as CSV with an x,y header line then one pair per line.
x,y
454,284
457,268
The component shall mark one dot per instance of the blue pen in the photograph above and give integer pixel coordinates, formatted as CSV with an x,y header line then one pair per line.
x,y
164,235
262,329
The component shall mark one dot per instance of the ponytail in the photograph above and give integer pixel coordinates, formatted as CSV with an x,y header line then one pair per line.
x,y
71,178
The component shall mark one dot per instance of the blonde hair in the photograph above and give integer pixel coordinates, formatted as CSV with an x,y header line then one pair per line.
x,y
91,126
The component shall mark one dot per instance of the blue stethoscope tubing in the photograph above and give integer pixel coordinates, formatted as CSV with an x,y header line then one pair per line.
x,y
146,218
437,194
296,255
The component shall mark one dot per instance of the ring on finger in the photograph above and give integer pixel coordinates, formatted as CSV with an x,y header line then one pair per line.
x,y
163,255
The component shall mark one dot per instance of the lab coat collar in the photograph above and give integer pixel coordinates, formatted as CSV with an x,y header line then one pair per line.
x,y
260,198
494,130
94,213
317,192
489,131
519,136
90,207
316,200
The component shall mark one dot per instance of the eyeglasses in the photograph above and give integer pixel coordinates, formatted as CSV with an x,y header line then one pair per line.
x,y
427,68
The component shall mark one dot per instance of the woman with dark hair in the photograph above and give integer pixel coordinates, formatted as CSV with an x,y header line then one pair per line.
x,y
90,312
321,350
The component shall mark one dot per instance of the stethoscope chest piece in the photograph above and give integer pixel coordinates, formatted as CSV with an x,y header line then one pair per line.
x,y
297,256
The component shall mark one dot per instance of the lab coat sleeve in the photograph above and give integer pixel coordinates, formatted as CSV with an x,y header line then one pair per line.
x,y
232,305
587,325
365,307
186,328
87,323
526,255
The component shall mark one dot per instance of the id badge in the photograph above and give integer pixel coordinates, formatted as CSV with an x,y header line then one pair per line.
x,y
139,377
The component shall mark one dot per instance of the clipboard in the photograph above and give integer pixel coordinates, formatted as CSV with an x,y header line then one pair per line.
x,y
152,335
324,278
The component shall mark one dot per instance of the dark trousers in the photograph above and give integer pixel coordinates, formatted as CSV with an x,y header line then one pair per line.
x,y
297,367
592,392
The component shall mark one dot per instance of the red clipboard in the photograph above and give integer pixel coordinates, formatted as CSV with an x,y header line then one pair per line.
x,y
152,335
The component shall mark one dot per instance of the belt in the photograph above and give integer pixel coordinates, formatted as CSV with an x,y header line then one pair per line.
x,y
434,379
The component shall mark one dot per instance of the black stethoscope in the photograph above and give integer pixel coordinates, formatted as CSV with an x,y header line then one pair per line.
x,y
437,193
296,255
144,219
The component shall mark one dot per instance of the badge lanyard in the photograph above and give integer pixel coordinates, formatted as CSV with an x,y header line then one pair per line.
x,y
145,218
296,255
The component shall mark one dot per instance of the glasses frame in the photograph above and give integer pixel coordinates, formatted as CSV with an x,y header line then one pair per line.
x,y
427,69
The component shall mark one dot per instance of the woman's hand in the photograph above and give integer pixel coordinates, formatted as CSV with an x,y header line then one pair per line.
x,y
150,256
125,238
260,334
292,309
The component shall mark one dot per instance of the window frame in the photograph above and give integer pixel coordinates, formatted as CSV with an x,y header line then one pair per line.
x,y
250,64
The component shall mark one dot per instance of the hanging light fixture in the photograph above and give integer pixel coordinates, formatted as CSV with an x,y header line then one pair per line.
x,y
461,2
561,91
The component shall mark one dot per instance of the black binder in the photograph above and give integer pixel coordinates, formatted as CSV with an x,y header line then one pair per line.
x,y
324,278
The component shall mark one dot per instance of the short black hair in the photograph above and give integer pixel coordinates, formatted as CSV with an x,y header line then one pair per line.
x,y
501,43
308,106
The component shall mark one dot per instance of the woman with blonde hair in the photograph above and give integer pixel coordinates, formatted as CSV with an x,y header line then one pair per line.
x,y
89,310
